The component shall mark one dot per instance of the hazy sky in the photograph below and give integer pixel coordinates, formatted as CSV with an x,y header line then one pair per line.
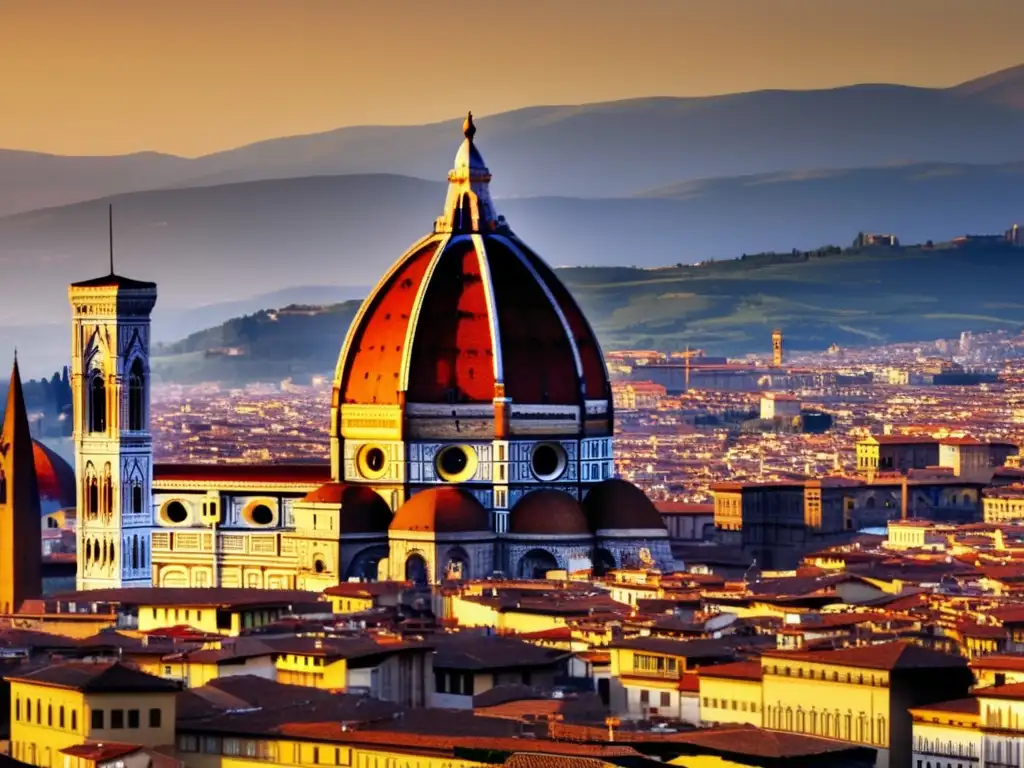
x,y
193,76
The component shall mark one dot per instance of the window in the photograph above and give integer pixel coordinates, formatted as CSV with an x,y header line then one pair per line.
x,y
154,718
133,718
188,743
60,717
49,715
645,697
74,719
316,754
97,719
17,709
117,718
136,396
39,712
666,699
97,403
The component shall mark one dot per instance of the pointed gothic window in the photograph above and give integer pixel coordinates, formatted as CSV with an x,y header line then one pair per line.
x,y
92,504
97,404
136,397
136,497
108,493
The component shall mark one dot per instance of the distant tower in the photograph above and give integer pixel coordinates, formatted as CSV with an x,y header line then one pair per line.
x,y
113,445
20,517
777,348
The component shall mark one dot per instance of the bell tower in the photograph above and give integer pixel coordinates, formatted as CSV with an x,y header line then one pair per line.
x,y
110,389
20,528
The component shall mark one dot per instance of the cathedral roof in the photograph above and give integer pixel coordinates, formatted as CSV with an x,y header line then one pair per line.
x,y
470,313
56,479
442,510
615,504
548,512
362,508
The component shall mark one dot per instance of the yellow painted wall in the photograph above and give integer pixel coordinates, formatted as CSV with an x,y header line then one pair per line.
x,y
37,735
204,619
313,671
785,697
725,700
348,604
259,754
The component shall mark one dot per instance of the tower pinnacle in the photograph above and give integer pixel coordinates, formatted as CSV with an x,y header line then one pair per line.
x,y
468,207
20,533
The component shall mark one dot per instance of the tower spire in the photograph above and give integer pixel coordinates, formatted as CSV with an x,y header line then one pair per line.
x,y
20,534
110,221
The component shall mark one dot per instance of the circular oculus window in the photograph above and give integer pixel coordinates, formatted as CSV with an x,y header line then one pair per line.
x,y
259,514
372,461
548,461
456,463
175,513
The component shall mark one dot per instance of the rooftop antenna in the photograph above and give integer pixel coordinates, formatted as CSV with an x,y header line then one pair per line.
x,y
110,220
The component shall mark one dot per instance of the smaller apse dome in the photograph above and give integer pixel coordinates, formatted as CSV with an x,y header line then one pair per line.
x,y
442,510
548,513
55,478
615,504
362,509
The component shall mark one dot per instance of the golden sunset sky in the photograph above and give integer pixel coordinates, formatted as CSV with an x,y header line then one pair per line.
x,y
195,76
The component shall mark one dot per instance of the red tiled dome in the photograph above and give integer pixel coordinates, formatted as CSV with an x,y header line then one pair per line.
x,y
548,513
362,508
470,313
442,510
56,479
615,504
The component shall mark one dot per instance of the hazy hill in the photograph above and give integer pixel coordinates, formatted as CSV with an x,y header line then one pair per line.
x,y
594,150
727,307
223,249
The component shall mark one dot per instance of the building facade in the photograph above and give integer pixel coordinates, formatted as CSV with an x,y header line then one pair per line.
x,y
471,432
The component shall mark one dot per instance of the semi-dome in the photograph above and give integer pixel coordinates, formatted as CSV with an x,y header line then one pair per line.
x,y
442,510
470,314
548,513
362,508
55,478
615,504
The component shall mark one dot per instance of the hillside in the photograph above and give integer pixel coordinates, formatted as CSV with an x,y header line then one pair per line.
x,y
727,307
214,246
610,149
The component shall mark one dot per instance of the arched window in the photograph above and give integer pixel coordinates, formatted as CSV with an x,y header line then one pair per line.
x,y
135,553
28,710
108,492
60,720
92,495
136,397
17,710
136,497
97,403
49,715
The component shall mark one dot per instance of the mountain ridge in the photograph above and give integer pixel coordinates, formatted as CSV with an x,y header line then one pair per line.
x,y
603,149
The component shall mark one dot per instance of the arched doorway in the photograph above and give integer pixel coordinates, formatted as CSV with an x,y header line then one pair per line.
x,y
604,561
365,564
536,563
416,569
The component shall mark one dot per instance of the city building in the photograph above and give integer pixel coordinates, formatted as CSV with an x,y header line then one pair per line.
x,y
480,441
65,705
778,405
777,352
